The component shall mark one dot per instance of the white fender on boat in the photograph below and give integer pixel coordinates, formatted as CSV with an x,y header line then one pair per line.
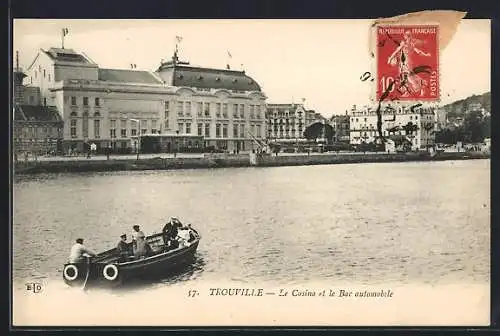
x,y
70,277
105,272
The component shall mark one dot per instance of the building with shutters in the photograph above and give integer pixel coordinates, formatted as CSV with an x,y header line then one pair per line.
x,y
110,107
416,122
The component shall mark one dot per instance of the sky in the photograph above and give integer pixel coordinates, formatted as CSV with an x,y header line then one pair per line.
x,y
320,61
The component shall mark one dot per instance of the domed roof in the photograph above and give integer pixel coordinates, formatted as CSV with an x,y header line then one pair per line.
x,y
181,74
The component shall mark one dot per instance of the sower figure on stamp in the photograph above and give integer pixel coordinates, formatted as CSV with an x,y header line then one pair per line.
x,y
402,56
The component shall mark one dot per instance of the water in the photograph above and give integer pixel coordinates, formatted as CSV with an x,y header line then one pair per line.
x,y
408,223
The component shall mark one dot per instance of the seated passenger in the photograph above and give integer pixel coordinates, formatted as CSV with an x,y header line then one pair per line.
x,y
123,248
79,252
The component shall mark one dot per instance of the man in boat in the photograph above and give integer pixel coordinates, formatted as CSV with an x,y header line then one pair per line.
x,y
170,231
79,252
138,242
123,248
183,236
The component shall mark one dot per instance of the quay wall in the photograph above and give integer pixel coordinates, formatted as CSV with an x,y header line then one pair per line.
x,y
223,160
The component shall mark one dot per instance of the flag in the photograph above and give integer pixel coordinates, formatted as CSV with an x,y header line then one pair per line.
x,y
65,31
179,39
229,54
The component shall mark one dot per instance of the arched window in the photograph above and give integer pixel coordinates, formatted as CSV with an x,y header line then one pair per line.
x,y
74,114
97,114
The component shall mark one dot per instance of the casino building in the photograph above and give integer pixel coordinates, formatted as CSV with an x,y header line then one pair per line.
x,y
110,107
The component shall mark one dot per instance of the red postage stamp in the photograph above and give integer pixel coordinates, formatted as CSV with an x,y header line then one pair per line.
x,y
407,60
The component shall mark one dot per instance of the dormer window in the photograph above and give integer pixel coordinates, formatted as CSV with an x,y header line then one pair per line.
x,y
217,79
200,77
180,76
235,80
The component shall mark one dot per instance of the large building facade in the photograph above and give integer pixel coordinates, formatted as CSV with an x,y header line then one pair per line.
x,y
37,129
341,129
110,107
418,124
287,122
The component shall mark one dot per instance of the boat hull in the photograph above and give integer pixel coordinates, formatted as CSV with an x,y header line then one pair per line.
x,y
114,274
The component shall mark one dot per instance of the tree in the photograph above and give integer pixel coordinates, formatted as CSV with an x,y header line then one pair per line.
x,y
318,130
410,128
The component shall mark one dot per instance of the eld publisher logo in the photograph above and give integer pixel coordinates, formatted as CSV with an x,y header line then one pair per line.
x,y
34,287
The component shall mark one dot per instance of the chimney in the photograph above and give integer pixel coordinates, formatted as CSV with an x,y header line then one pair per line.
x,y
18,83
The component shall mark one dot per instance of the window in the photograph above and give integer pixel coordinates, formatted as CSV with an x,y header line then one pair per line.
x,y
217,130
252,111
207,109
188,128
49,77
167,124
144,126
200,129
218,110
180,127
97,101
207,130
32,99
85,101
180,108
123,126
235,130
242,111
224,110
97,115
257,111
252,129
85,125
45,101
73,101
188,109
133,132
97,131
167,109
73,128
112,129
153,126
235,110
224,131
242,131
200,109
43,73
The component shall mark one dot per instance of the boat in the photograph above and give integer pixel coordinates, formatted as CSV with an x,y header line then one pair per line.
x,y
108,269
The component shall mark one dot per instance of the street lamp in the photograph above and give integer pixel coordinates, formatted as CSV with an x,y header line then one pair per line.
x,y
138,135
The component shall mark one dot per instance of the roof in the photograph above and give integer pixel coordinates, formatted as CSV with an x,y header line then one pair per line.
x,y
128,76
36,113
198,77
67,55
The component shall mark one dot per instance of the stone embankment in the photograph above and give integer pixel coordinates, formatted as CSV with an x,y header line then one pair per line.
x,y
229,160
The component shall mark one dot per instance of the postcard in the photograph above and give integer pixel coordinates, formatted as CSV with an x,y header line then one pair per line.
x,y
252,172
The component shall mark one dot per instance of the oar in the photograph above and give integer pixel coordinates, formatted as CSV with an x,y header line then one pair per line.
x,y
88,272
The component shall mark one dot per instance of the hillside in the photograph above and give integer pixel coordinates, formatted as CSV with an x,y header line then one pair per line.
x,y
459,107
